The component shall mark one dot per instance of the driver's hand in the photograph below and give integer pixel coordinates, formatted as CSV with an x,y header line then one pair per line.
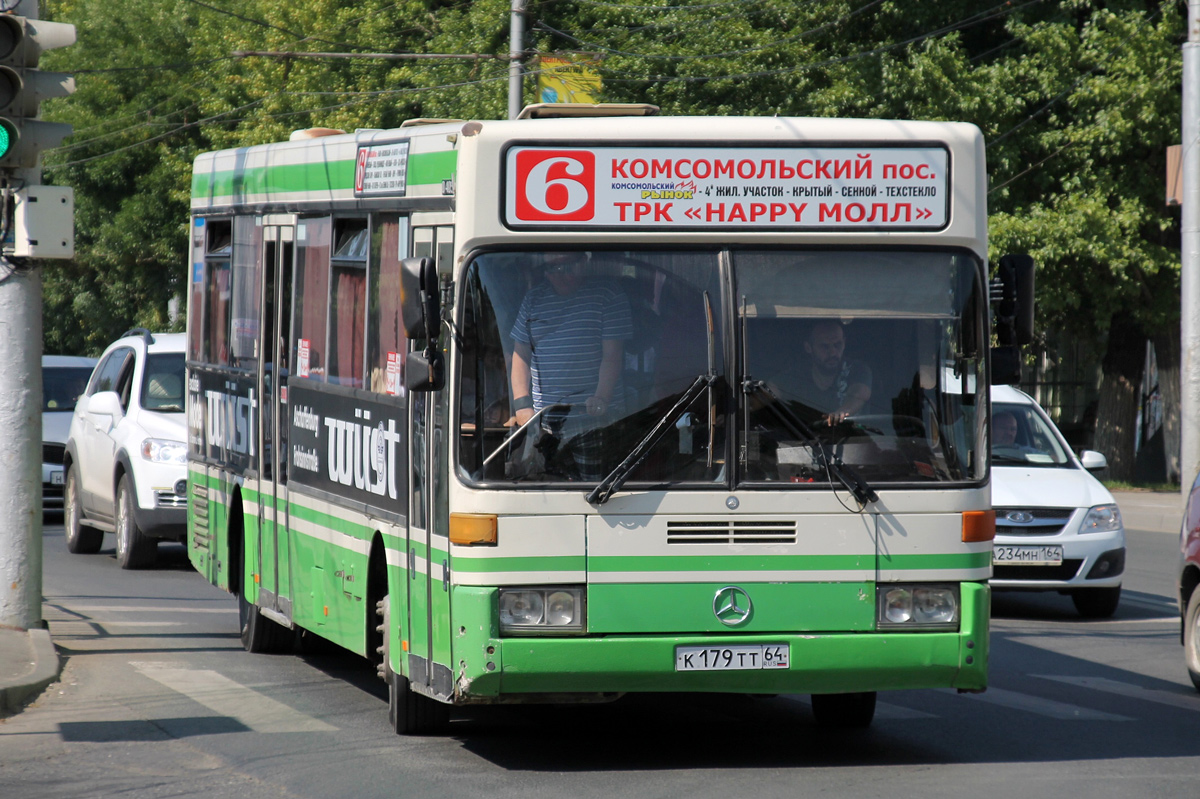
x,y
520,417
596,406
837,417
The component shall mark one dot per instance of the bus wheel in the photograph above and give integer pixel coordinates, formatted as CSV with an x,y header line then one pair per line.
x,y
260,635
409,713
844,711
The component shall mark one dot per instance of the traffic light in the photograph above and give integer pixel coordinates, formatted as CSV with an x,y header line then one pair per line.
x,y
23,87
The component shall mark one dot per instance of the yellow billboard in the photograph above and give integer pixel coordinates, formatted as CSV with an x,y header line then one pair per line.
x,y
566,79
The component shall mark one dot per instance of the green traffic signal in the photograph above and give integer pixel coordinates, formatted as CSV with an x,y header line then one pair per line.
x,y
5,140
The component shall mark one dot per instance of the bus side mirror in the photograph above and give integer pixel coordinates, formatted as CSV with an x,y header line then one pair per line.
x,y
421,309
420,300
423,371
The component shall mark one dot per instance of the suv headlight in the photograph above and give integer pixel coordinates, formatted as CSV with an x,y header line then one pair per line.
x,y
160,450
541,610
917,606
1102,519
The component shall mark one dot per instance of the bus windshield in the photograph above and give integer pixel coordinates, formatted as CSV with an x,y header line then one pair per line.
x,y
740,368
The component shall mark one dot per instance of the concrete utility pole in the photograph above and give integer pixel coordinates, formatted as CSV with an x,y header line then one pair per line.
x,y
1189,316
21,441
516,55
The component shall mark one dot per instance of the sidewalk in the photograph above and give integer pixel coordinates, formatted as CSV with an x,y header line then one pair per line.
x,y
1156,511
28,663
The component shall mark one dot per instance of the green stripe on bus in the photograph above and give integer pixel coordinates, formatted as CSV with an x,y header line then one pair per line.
x,y
320,176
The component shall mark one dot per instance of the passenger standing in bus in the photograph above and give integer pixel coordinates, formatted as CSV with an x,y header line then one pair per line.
x,y
827,382
568,342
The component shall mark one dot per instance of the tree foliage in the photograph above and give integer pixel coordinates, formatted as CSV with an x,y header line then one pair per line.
x,y
1077,100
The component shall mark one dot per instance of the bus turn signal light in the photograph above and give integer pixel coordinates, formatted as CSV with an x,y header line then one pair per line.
x,y
472,529
978,526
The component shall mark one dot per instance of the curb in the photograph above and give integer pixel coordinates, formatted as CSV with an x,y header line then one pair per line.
x,y
46,668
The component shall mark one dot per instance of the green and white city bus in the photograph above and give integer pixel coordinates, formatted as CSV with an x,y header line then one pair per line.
x,y
369,463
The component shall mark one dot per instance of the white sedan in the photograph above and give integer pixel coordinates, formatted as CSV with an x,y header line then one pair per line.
x,y
1057,527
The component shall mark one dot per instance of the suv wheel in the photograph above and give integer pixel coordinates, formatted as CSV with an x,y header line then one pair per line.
x,y
80,540
134,550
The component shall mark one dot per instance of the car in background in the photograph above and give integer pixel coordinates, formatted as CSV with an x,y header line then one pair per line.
x,y
1057,527
64,377
1188,578
126,456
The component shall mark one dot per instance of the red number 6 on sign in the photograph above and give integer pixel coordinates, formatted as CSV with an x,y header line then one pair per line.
x,y
555,185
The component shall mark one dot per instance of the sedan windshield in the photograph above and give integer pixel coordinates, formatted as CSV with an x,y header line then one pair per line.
x,y
782,368
1022,436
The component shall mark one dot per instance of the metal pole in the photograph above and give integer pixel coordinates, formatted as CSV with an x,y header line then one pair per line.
x,y
21,416
1189,280
516,55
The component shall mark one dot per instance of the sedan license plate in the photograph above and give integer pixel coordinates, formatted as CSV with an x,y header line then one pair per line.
x,y
1033,556
729,658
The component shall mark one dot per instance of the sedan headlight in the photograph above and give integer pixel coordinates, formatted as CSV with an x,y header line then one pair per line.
x,y
541,610
917,606
160,450
1102,519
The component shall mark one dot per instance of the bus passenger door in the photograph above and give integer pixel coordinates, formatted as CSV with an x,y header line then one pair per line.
x,y
275,590
428,632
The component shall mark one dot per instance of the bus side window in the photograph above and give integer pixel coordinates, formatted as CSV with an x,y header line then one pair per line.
x,y
347,303
311,287
386,341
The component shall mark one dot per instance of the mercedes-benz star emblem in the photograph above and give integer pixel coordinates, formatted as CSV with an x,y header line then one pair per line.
x,y
732,605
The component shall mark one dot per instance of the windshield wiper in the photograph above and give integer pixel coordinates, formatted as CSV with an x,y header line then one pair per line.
x,y
561,406
617,477
846,475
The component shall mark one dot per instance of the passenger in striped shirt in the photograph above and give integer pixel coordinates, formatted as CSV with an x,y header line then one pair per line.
x,y
568,342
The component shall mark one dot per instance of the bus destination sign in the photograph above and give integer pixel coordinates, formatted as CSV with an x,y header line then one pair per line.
x,y
381,169
786,188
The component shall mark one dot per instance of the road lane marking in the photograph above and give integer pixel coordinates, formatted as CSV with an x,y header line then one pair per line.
x,y
234,700
1041,706
1188,701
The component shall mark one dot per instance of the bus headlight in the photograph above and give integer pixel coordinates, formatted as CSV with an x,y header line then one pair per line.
x,y
917,606
541,610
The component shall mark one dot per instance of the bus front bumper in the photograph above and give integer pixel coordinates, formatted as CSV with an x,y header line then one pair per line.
x,y
817,662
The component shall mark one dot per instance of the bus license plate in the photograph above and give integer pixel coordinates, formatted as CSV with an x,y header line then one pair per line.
x,y
729,658
1034,556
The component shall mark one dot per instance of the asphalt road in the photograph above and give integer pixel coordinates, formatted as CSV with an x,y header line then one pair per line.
x,y
158,699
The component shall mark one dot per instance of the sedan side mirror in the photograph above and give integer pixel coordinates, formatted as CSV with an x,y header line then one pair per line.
x,y
1093,461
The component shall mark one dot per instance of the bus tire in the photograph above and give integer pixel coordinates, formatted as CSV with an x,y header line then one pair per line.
x,y
1096,603
409,713
259,634
81,540
844,711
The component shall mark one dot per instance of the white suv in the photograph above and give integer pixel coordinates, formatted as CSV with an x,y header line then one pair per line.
x,y
126,458
1057,527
